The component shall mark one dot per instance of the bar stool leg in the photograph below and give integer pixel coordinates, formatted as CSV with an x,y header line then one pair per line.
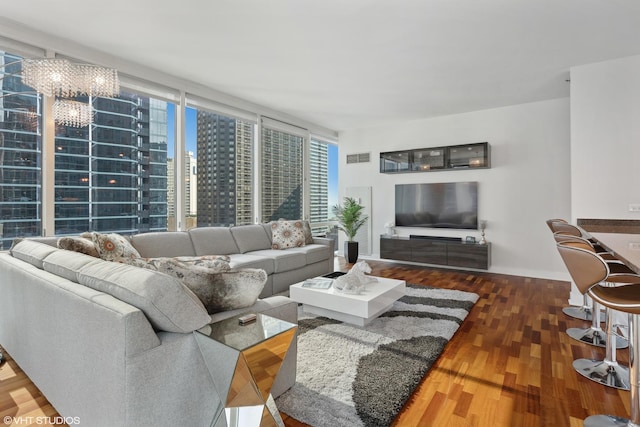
x,y
594,335
606,372
582,313
634,370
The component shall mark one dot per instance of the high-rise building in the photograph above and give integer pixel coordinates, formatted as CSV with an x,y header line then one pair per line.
x,y
224,167
20,155
281,175
191,188
157,184
112,175
318,185
171,194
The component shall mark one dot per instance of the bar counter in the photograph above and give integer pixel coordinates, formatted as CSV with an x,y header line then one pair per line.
x,y
624,246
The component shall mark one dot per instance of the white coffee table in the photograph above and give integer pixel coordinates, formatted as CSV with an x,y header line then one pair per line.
x,y
359,310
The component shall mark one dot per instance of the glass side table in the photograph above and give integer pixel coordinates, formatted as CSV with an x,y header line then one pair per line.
x,y
243,361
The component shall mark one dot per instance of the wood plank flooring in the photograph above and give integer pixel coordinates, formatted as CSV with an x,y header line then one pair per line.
x,y
509,364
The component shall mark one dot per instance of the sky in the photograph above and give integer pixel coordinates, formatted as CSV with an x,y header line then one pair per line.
x,y
333,176
190,136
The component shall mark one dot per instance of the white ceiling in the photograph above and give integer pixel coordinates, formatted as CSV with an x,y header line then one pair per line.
x,y
346,64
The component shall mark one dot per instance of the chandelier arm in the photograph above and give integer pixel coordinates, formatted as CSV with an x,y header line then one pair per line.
x,y
29,92
19,61
18,73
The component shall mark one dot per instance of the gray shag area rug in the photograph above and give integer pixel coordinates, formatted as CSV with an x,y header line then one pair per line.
x,y
362,376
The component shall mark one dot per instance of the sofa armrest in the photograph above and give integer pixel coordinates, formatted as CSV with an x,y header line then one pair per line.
x,y
325,241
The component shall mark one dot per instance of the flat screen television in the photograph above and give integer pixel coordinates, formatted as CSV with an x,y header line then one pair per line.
x,y
437,205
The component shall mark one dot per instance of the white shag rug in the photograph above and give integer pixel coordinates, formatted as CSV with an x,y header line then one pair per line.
x,y
351,376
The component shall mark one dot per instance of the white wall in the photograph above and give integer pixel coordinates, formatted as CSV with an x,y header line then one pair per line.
x,y
605,139
528,183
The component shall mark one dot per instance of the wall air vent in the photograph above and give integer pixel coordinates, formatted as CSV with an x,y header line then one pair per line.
x,y
358,158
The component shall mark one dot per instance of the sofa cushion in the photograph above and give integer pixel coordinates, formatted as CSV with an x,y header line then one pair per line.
x,y
283,260
267,229
314,252
164,244
65,263
213,241
252,261
31,251
112,245
250,238
168,304
287,234
82,245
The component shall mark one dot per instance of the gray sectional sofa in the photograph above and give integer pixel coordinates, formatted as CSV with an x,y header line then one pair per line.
x,y
114,345
248,246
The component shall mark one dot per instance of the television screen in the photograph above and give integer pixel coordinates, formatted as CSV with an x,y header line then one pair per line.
x,y
437,205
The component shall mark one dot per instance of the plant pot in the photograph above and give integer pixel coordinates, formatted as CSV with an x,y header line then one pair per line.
x,y
351,252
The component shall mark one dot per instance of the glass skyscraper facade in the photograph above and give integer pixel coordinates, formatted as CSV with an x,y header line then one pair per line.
x,y
20,155
111,176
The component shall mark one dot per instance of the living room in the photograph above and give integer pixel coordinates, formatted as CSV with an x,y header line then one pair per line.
x,y
562,146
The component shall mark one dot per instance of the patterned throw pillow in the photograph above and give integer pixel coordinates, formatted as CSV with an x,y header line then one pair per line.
x,y
218,263
79,244
113,246
218,288
287,234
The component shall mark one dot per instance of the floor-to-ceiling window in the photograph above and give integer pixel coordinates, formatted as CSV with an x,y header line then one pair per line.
x,y
111,176
220,168
20,154
119,173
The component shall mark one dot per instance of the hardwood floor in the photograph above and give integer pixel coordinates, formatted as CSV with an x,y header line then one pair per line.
x,y
509,364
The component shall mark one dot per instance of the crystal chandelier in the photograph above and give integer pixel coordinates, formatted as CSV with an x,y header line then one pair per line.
x,y
50,77
63,79
59,77
93,80
72,113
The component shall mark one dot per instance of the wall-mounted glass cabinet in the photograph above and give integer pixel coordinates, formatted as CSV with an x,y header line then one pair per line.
x,y
466,156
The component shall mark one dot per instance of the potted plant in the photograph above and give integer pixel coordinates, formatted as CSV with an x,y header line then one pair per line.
x,y
350,218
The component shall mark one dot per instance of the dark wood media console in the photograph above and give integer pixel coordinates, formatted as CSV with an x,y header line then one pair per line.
x,y
451,252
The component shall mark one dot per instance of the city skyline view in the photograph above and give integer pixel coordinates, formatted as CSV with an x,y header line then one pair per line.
x,y
118,175
191,133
